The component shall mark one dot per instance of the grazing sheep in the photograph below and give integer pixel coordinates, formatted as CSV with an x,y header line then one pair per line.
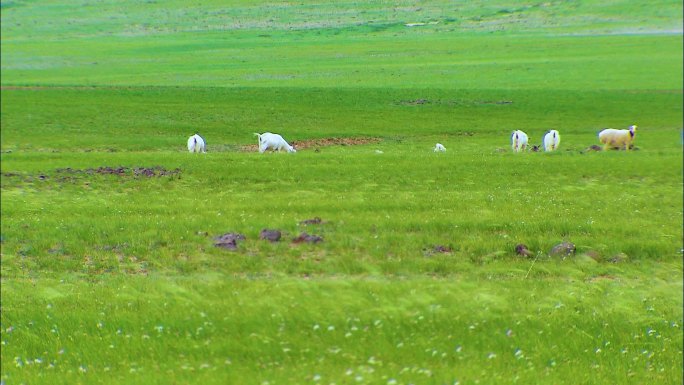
x,y
611,137
196,144
273,141
551,140
519,141
439,148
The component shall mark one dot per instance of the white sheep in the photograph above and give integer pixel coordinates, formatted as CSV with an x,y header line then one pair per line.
x,y
611,137
518,141
551,140
273,141
196,144
439,147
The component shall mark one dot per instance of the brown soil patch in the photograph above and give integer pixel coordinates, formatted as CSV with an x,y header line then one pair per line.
x,y
421,101
323,142
72,175
270,235
437,249
312,221
122,171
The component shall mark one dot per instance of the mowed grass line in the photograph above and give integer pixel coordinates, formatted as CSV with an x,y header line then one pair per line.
x,y
216,328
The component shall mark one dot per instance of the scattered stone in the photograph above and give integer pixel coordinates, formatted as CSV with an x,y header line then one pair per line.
x,y
521,249
593,147
307,238
228,240
270,235
312,221
563,250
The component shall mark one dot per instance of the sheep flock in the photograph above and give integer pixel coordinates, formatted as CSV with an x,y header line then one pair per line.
x,y
610,138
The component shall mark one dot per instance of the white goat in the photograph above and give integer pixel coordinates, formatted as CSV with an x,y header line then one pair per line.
x,y
439,147
518,141
611,137
551,140
273,141
196,144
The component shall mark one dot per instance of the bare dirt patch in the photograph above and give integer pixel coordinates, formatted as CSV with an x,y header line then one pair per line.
x,y
155,171
322,142
424,102
437,249
72,174
312,221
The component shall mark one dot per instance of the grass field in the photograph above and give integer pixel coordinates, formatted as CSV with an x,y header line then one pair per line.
x,y
109,270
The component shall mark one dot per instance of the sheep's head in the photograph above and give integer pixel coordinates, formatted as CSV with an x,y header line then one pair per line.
x,y
632,131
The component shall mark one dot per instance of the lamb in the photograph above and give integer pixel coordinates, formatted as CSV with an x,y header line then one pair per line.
x,y
439,148
273,141
551,140
196,144
519,141
617,138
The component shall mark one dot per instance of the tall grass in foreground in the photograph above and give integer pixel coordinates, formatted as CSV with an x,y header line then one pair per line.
x,y
217,329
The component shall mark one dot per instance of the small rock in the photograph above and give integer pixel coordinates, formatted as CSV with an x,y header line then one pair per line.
x,y
307,238
270,235
563,250
521,249
228,240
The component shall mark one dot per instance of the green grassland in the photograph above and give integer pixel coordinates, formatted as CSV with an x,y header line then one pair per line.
x,y
112,278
